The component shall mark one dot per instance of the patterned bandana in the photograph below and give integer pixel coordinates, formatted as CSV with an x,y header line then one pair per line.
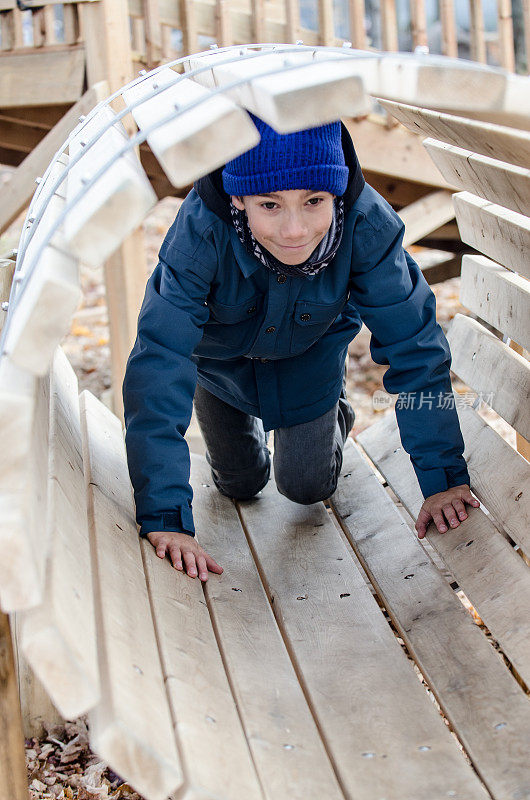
x,y
317,261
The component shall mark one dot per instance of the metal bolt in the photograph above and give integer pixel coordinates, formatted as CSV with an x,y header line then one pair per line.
x,y
176,106
31,219
5,306
38,180
421,49
82,143
85,179
155,85
142,72
299,41
214,46
346,44
18,278
82,118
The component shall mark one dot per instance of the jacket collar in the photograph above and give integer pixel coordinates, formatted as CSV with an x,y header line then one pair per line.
x,y
211,191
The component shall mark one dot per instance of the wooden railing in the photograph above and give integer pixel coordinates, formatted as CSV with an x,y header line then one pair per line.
x,y
162,30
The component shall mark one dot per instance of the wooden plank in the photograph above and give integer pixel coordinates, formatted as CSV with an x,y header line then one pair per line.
x,y
494,180
501,234
35,705
17,192
55,74
7,269
315,93
500,477
197,141
32,332
418,24
497,141
478,41
389,27
477,356
13,776
497,296
190,41
283,737
449,38
487,568
327,613
357,23
153,33
131,727
258,19
505,34
59,636
426,215
325,23
437,630
292,14
116,204
209,729
22,467
223,23
393,152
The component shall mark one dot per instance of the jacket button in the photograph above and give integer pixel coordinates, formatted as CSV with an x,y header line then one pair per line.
x,y
281,278
305,317
271,329
264,360
251,310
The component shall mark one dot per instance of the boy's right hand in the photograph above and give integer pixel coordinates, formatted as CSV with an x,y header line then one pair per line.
x,y
181,546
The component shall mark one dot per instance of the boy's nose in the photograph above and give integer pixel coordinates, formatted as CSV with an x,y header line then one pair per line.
x,y
293,230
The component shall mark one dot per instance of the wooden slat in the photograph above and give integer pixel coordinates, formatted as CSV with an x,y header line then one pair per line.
x,y
487,568
153,34
447,19
496,181
325,23
33,333
389,27
505,33
56,75
501,234
199,140
116,204
224,24
292,13
71,23
478,42
13,776
290,100
500,477
346,655
59,635
131,727
23,468
258,19
426,215
437,630
497,141
190,41
477,359
275,741
18,190
418,23
497,296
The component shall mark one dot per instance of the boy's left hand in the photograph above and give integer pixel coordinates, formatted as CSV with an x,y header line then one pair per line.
x,y
451,503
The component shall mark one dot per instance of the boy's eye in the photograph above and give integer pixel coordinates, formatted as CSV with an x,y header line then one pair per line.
x,y
269,203
314,201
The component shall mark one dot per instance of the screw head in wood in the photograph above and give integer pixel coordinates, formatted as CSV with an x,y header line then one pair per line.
x,y
5,305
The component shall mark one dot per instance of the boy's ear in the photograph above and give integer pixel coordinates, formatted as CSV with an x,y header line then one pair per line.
x,y
238,202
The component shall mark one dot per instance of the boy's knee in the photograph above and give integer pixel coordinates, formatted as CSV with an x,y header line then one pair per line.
x,y
306,494
244,486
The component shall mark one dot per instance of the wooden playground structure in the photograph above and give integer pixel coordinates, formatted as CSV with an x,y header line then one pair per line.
x,y
367,677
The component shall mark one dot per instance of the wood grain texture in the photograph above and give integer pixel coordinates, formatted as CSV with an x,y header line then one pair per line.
x,y
59,635
496,141
494,180
131,727
111,209
490,572
497,296
283,738
476,691
13,777
197,141
493,370
501,234
56,75
346,655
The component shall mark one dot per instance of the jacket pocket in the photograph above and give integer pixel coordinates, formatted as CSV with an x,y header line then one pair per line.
x,y
311,320
233,326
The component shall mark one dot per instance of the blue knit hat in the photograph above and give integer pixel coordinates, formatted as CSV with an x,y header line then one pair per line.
x,y
308,159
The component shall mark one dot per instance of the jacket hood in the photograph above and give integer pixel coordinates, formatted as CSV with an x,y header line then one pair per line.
x,y
210,187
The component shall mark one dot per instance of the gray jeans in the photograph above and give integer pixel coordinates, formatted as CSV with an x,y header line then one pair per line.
x,y
307,457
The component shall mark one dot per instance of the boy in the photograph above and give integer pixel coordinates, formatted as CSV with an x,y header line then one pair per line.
x,y
267,273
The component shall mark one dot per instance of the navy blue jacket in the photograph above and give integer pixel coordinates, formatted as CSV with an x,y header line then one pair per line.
x,y
274,348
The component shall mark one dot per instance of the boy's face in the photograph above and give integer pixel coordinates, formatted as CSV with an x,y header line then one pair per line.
x,y
290,223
